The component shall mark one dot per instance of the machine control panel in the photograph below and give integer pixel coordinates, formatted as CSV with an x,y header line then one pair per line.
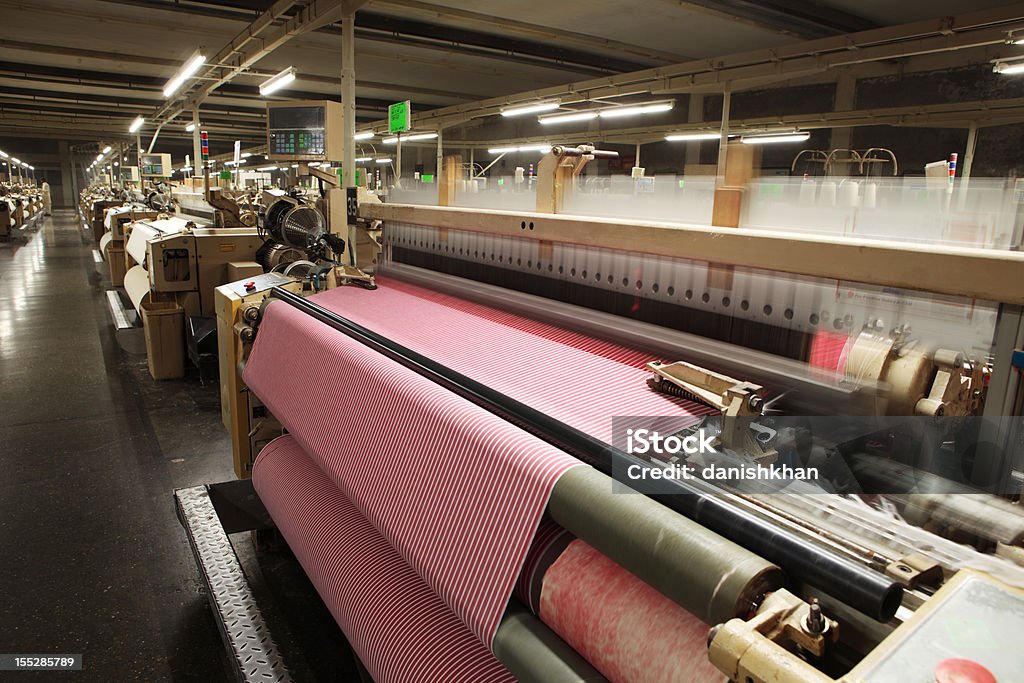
x,y
304,131
260,283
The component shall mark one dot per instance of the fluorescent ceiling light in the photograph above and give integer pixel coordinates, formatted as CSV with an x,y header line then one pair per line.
x,y
275,83
15,160
246,155
365,135
267,168
383,160
420,136
313,164
544,149
360,160
32,168
650,108
390,141
776,137
117,163
3,154
136,124
1008,69
567,118
531,108
190,127
186,71
106,150
691,137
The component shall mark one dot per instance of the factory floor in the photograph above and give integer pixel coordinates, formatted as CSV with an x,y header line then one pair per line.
x,y
92,558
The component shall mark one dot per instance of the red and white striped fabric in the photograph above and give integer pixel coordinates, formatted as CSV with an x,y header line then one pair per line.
x,y
457,491
403,632
829,351
580,380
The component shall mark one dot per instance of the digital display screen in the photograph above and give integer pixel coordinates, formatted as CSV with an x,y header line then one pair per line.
x,y
154,165
308,118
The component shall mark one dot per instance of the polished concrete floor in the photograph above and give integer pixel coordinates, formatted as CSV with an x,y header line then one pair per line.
x,y
92,559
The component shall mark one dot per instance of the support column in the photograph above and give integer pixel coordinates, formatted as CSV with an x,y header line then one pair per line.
x,y
67,176
845,97
348,107
972,145
695,114
723,138
197,143
439,166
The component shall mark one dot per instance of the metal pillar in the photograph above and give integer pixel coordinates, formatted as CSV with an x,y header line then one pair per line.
x,y
439,172
845,95
694,114
197,145
723,139
398,160
348,108
972,144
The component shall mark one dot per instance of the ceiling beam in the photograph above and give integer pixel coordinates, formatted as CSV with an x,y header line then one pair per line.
x,y
387,28
975,29
800,18
512,26
983,113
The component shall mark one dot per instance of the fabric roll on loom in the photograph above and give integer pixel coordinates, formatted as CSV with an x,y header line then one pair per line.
x,y
630,632
391,415
365,580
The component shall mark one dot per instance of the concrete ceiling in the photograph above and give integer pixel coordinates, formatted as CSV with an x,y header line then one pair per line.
x,y
82,69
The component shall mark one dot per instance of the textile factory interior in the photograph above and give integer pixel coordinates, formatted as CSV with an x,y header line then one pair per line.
x,y
416,341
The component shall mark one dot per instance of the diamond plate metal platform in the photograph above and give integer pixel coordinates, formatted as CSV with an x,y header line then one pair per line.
x,y
256,657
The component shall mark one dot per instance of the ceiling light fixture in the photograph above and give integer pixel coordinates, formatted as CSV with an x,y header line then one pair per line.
x,y
692,137
532,108
136,124
1008,69
365,135
797,136
275,83
106,150
360,160
567,118
633,110
543,149
184,73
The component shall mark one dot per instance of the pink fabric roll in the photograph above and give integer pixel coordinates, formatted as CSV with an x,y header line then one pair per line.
x,y
576,378
630,632
457,491
829,351
403,632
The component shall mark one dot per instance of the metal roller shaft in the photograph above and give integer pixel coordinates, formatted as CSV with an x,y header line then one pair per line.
x,y
707,575
853,584
535,654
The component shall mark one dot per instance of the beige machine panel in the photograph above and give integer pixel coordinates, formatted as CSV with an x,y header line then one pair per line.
x,y
307,130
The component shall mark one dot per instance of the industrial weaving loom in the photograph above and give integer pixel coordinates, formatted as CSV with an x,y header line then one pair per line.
x,y
459,476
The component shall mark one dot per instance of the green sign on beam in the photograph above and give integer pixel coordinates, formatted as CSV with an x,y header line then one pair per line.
x,y
400,117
